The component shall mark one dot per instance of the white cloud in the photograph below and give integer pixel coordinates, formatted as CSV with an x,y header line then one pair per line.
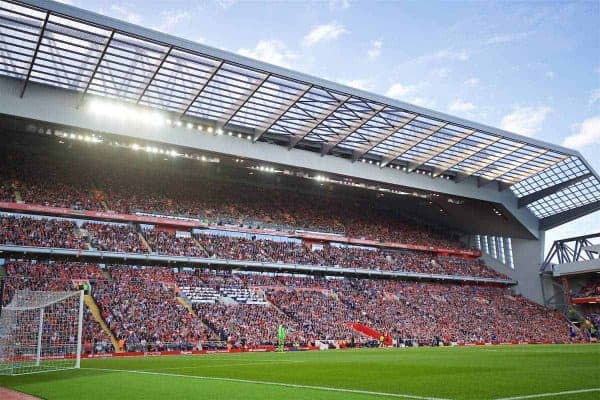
x,y
526,121
271,51
444,55
588,133
339,4
124,13
441,73
472,82
506,38
595,96
323,33
550,74
170,19
461,106
362,84
375,50
225,4
398,90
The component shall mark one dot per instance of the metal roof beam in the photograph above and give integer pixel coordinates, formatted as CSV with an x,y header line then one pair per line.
x,y
89,82
491,160
34,56
540,194
465,155
330,111
438,150
257,85
414,142
158,67
555,220
387,134
342,137
533,171
514,165
201,89
273,120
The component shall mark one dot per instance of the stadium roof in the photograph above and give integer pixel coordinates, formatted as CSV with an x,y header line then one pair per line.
x,y
59,45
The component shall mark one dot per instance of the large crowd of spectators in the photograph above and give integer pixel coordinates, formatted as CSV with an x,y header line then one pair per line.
x,y
6,192
25,231
140,306
234,248
60,276
72,182
141,309
168,243
119,238
590,289
48,232
321,309
249,324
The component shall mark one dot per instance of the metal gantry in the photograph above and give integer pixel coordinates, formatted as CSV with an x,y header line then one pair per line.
x,y
580,248
58,45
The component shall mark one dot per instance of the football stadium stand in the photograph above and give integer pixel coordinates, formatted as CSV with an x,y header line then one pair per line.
x,y
140,307
204,211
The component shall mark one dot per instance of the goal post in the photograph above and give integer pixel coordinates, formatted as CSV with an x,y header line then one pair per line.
x,y
41,331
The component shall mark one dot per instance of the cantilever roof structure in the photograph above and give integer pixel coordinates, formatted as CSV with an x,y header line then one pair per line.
x,y
58,45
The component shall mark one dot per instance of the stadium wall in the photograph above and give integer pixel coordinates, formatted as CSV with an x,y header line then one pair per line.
x,y
527,256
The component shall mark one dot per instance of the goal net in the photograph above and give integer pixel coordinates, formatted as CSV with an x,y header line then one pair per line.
x,y
41,331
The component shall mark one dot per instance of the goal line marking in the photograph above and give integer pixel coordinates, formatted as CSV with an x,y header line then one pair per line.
x,y
280,384
540,395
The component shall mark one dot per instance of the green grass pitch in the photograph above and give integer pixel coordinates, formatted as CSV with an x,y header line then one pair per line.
x,y
493,372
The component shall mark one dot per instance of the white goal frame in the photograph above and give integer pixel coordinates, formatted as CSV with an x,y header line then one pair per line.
x,y
41,332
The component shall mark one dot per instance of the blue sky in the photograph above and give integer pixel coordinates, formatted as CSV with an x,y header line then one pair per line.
x,y
531,68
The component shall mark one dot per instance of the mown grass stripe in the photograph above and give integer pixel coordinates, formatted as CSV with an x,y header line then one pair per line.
x,y
540,395
280,384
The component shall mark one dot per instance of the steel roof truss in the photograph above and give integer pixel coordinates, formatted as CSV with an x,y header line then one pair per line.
x,y
242,101
282,111
511,166
96,67
421,136
386,134
436,151
318,121
465,155
33,57
500,154
202,87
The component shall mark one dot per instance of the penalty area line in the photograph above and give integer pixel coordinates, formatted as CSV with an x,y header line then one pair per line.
x,y
280,384
540,395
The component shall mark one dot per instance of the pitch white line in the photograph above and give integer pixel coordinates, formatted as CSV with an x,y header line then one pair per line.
x,y
288,385
536,396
